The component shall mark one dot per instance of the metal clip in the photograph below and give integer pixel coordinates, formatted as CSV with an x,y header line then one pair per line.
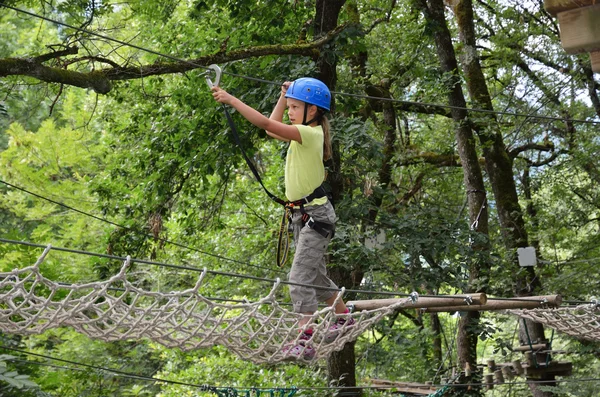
x,y
350,307
217,71
414,296
469,300
594,302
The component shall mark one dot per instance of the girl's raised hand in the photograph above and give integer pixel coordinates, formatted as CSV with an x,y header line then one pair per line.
x,y
284,87
221,95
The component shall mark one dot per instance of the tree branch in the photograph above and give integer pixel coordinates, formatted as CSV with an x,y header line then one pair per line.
x,y
55,54
101,80
545,147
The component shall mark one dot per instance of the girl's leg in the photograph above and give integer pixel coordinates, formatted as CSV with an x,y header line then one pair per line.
x,y
340,308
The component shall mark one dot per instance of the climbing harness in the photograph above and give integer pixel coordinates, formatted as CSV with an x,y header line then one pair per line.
x,y
311,91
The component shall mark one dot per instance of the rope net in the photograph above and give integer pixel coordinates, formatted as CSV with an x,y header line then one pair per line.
x,y
581,322
115,309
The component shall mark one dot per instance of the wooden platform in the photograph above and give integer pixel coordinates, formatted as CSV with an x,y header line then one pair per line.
x,y
579,22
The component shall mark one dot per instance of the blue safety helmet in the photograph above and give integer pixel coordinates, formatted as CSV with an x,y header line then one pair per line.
x,y
311,91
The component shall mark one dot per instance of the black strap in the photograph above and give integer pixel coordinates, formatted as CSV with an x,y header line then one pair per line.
x,y
317,193
238,142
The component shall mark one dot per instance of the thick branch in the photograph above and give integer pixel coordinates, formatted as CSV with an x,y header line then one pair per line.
x,y
100,80
545,147
440,160
28,67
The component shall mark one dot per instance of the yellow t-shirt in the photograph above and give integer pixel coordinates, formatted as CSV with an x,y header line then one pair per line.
x,y
304,169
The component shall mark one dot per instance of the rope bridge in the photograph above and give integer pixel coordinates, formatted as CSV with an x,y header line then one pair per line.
x,y
581,322
115,310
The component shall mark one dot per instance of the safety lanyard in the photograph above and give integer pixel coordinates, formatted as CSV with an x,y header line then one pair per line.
x,y
237,139
283,244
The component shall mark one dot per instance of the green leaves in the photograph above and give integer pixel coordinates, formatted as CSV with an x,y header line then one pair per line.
x,y
13,378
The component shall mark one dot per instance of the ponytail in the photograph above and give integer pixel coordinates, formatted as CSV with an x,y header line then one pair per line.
x,y
326,138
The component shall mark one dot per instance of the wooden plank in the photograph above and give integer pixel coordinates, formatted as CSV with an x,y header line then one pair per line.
x,y
553,368
421,302
595,58
525,302
556,6
580,29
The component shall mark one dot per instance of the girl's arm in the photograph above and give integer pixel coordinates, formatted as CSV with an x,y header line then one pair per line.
x,y
279,110
275,127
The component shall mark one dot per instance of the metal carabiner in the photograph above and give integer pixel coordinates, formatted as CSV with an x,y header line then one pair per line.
x,y
217,71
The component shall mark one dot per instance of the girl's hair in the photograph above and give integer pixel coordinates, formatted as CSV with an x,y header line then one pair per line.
x,y
326,137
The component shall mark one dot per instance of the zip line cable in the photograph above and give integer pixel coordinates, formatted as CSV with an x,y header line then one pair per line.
x,y
237,275
212,388
409,103
98,368
149,236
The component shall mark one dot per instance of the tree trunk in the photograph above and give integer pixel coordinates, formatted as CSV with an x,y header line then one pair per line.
x,y
498,166
341,365
473,180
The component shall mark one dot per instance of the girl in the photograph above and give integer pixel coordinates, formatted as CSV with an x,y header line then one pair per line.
x,y
313,216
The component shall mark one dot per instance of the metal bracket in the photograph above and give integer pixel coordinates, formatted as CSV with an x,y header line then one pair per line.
x,y
414,296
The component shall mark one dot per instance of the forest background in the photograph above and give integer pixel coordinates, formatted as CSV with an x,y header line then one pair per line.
x,y
91,122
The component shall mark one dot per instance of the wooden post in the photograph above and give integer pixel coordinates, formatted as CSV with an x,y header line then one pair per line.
x,y
498,376
525,302
517,367
508,374
529,358
489,381
421,302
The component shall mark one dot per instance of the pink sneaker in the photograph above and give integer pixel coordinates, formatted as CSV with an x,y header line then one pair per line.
x,y
301,350
338,328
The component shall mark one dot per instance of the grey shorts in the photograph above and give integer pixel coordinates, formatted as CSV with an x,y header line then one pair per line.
x,y
309,265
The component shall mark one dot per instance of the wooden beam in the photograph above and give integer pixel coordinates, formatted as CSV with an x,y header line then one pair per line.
x,y
404,387
525,302
421,302
535,348
556,6
580,29
553,368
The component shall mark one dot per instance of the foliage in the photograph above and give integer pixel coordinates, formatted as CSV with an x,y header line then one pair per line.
x,y
12,379
155,164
